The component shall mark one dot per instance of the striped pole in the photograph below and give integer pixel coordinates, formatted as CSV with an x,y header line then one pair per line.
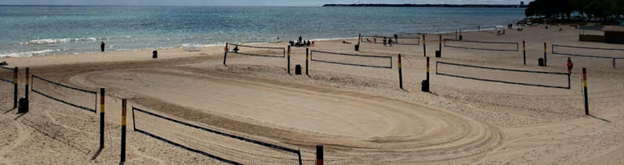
x,y
524,51
27,83
545,63
585,91
319,154
400,73
424,47
226,51
15,85
102,116
123,129
440,45
307,57
288,68
427,69
359,40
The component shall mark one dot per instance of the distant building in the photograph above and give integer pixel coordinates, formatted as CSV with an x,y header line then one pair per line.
x,y
521,3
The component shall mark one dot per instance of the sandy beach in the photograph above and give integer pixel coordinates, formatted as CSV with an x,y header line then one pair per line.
x,y
359,114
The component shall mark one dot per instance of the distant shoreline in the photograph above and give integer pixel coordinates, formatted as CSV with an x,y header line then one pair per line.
x,y
427,5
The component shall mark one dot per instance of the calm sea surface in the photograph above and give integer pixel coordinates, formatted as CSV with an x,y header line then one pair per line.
x,y
51,30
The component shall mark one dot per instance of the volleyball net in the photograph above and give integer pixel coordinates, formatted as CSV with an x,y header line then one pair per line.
x,y
258,51
72,96
590,52
482,45
504,75
216,144
400,40
372,61
8,88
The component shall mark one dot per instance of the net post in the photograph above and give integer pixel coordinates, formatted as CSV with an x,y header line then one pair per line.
x,y
123,129
427,69
585,91
545,48
524,51
225,55
15,86
400,73
307,57
102,116
440,46
288,59
424,45
27,82
613,64
319,154
359,40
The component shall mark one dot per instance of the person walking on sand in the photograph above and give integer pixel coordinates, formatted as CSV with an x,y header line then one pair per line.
x,y
102,46
390,42
300,39
570,66
384,41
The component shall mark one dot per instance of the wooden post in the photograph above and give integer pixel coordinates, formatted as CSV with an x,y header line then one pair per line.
x,y
440,45
226,51
400,73
585,91
102,116
319,154
123,129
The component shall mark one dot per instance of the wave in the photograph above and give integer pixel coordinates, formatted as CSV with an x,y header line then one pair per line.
x,y
50,41
30,53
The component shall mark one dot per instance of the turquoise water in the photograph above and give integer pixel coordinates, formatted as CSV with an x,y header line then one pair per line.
x,y
51,30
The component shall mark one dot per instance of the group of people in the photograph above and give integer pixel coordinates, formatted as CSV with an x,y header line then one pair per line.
x,y
301,42
386,40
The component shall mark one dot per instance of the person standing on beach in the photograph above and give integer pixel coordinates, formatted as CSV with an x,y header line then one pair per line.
x,y
396,38
570,65
102,46
300,39
390,42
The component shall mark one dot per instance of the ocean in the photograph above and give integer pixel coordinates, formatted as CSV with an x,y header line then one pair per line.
x,y
52,30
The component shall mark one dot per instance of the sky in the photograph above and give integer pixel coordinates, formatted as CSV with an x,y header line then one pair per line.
x,y
245,2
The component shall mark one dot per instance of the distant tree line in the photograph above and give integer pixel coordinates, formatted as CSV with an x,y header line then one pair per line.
x,y
590,10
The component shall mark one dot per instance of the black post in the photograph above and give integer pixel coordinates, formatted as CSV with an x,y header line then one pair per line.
x,y
27,83
545,63
288,68
524,51
102,116
585,91
400,73
123,129
440,45
15,85
226,51
319,154
427,68
424,45
307,57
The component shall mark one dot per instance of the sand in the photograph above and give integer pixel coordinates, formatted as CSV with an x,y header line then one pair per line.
x,y
359,114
